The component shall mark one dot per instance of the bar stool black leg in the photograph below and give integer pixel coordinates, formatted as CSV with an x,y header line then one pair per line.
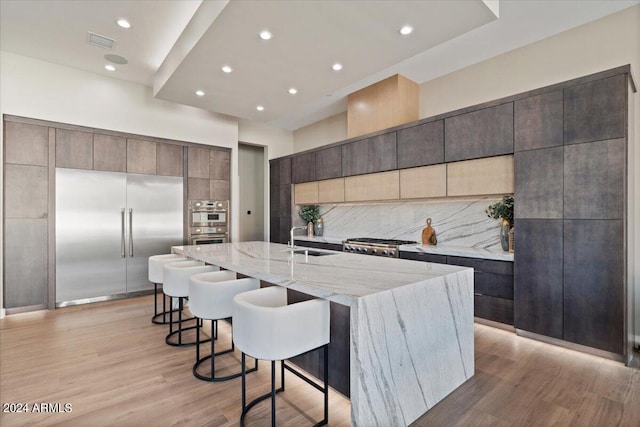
x,y
273,392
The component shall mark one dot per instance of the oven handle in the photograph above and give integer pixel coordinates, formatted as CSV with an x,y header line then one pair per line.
x,y
131,232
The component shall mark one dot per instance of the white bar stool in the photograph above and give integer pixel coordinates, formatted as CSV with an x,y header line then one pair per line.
x,y
156,263
265,327
211,297
176,285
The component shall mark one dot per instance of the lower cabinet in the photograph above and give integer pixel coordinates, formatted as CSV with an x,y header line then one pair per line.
x,y
320,245
492,287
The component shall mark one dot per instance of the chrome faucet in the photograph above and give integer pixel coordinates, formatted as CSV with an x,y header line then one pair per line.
x,y
292,243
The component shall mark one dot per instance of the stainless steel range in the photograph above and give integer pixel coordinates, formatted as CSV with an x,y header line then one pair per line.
x,y
373,246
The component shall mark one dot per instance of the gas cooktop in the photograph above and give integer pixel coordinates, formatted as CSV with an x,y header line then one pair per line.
x,y
374,246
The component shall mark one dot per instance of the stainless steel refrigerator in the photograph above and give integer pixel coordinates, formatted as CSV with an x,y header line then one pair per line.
x,y
107,226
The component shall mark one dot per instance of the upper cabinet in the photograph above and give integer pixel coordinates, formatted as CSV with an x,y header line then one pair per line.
x,y
373,154
538,121
595,111
481,133
74,149
303,167
26,144
109,153
141,156
329,163
170,160
220,164
209,173
198,163
421,145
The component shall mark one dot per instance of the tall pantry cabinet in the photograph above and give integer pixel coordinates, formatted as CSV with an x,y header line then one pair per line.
x,y
571,199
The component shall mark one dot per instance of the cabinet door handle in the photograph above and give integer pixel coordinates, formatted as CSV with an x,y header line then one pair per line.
x,y
122,245
477,294
131,232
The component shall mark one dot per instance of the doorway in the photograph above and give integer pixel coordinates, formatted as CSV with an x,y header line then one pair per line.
x,y
251,179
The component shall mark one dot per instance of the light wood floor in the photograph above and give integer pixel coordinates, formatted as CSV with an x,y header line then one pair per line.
x,y
112,365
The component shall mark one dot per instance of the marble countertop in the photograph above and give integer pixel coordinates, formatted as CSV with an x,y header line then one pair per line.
x,y
340,277
462,251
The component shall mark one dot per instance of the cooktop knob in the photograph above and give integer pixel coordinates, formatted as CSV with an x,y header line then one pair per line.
x,y
364,250
374,251
384,252
392,253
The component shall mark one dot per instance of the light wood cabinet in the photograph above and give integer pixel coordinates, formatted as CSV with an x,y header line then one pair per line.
x,y
306,193
109,153
26,191
375,186
26,144
170,160
74,149
493,175
141,156
331,191
427,181
199,160
219,164
219,189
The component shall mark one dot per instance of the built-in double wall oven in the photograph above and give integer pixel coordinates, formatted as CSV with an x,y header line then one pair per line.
x,y
208,221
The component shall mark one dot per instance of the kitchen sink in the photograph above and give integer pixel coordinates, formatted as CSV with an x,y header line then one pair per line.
x,y
309,252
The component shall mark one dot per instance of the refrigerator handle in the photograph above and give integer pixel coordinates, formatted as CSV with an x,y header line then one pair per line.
x,y
131,232
122,251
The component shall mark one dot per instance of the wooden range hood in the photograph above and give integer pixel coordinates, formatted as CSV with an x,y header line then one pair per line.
x,y
390,102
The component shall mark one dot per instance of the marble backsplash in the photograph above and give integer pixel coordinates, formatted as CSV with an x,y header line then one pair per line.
x,y
457,222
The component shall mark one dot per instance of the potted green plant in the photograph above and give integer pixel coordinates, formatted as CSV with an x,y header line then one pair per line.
x,y
310,213
503,210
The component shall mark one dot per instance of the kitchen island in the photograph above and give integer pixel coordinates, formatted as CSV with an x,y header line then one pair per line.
x,y
411,323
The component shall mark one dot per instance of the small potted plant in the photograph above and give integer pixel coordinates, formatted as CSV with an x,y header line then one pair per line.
x,y
310,213
503,210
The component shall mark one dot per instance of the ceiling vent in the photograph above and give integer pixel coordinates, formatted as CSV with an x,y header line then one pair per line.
x,y
100,41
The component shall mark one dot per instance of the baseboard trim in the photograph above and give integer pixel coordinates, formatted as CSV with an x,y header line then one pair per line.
x,y
571,346
2,313
494,324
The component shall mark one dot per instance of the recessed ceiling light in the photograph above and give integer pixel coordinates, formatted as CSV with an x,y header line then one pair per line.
x,y
406,30
293,91
265,35
123,23
199,93
337,66
227,69
116,59
109,67
260,108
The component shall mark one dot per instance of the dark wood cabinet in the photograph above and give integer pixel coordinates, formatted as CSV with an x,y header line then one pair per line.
x,y
538,288
303,167
374,154
481,133
420,256
109,153
539,181
280,200
74,149
319,245
593,283
492,287
329,163
421,145
595,111
594,180
492,308
538,121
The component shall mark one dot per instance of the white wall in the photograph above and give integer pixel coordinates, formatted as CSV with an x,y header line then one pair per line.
x,y
42,90
600,45
331,129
